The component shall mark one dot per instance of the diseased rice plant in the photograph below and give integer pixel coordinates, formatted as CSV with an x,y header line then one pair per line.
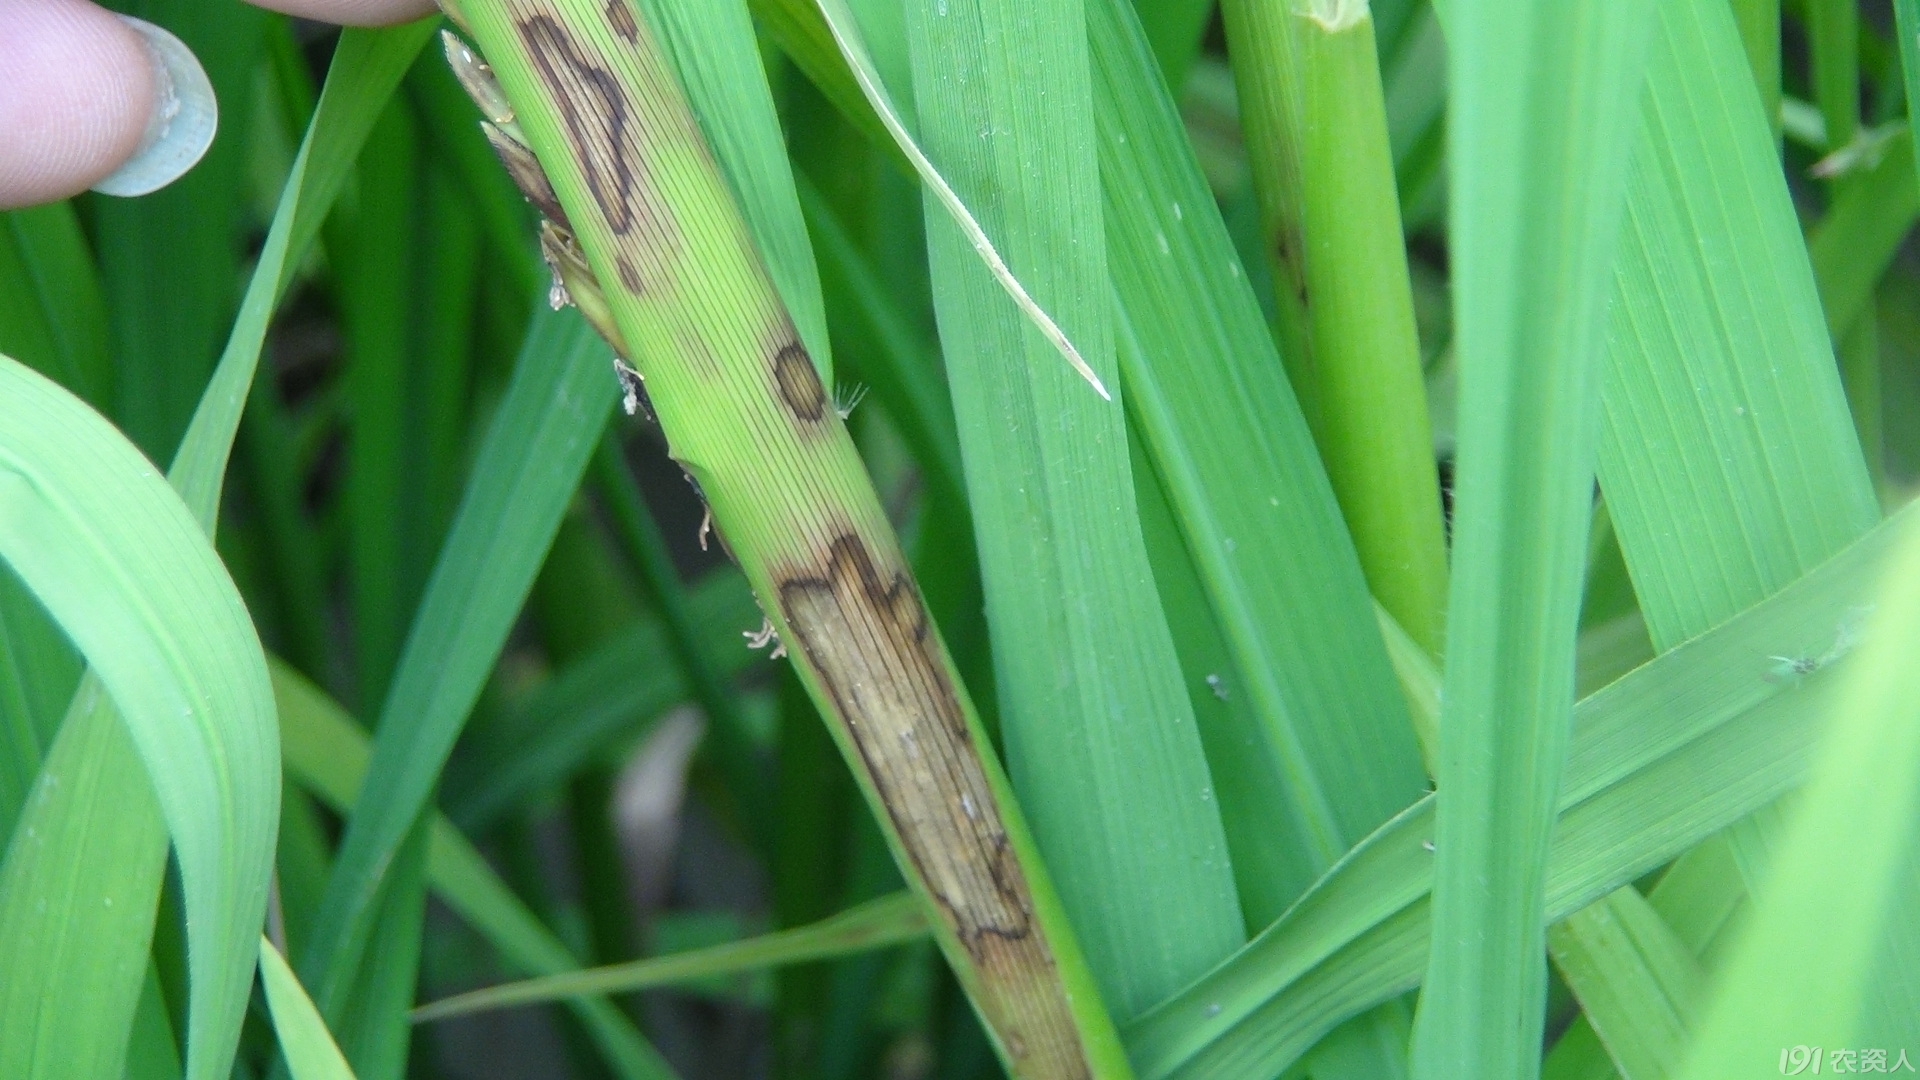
x,y
1061,538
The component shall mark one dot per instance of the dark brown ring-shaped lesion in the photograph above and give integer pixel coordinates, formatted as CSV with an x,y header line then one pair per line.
x,y
799,383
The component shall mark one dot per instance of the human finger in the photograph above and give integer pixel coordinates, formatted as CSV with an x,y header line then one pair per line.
x,y
353,12
76,96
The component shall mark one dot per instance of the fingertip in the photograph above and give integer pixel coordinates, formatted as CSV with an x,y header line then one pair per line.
x,y
354,12
76,93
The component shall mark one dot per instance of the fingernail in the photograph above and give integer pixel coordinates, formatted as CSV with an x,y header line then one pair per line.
x,y
184,118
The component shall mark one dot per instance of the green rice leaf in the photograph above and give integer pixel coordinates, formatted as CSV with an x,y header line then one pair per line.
x,y
1541,99
1308,742
92,797
1636,981
876,924
54,318
1696,899
1092,707
1660,760
326,752
126,571
1324,726
1806,973
1727,455
525,474
304,1039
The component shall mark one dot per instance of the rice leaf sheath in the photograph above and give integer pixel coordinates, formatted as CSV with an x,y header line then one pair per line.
x,y
613,156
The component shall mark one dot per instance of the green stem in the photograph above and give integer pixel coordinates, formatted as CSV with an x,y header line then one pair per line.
x,y
1374,431
1264,73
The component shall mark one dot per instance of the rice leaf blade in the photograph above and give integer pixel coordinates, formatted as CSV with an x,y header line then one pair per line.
x,y
326,752
1092,708
1722,453
304,1040
1540,102
1806,972
890,920
122,565
526,471
1637,983
1660,761
50,962
1217,420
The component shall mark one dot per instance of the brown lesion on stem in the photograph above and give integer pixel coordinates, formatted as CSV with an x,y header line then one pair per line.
x,y
858,621
1287,259
609,136
629,276
620,17
797,382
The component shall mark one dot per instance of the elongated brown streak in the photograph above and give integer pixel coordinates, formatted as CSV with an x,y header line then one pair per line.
x,y
598,119
864,630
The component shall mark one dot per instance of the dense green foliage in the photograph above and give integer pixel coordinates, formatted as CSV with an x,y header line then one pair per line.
x,y
1584,336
